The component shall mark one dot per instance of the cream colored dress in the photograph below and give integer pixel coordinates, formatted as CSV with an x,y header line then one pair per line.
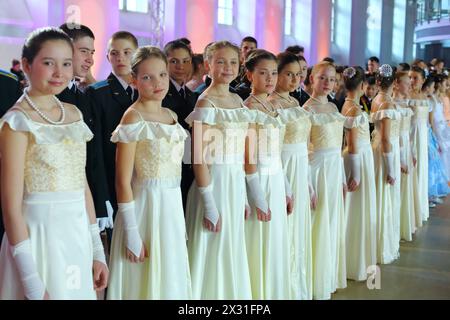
x,y
159,215
328,220
54,210
419,140
296,168
407,209
267,242
360,205
218,261
388,197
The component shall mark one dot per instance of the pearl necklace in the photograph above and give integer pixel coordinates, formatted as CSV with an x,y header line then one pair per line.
x,y
43,116
354,102
317,100
270,111
290,99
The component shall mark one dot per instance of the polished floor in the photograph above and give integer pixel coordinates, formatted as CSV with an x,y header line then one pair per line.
x,y
422,271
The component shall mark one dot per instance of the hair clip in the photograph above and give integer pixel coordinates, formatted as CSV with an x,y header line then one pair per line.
x,y
350,72
386,71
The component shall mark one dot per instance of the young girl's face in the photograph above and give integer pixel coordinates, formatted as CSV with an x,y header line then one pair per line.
x,y
429,89
264,77
119,55
224,65
180,65
51,69
152,79
416,80
324,81
289,77
403,84
303,71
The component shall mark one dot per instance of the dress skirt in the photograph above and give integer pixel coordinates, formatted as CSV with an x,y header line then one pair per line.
x,y
361,215
267,242
407,208
165,274
218,261
328,223
61,245
295,164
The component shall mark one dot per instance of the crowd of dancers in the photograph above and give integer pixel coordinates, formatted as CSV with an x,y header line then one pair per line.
x,y
234,174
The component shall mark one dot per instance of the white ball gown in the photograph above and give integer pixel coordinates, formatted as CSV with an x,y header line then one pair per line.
x,y
218,261
54,209
164,275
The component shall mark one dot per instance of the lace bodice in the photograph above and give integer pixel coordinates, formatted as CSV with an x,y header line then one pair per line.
x,y
361,122
421,109
395,122
55,159
298,125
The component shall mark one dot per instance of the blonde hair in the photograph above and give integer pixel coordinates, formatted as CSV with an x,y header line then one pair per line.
x,y
210,49
145,53
322,65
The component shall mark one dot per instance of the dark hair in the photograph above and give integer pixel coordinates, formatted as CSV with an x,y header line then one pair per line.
x,y
374,59
302,58
124,35
256,56
428,82
295,49
38,37
418,70
328,59
175,45
405,66
307,81
285,58
197,60
77,31
354,81
144,53
249,39
384,82
340,69
186,41
370,80
15,62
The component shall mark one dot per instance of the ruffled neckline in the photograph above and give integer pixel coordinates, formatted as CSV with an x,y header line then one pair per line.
x,y
392,114
357,121
325,118
213,116
148,130
47,133
293,114
419,103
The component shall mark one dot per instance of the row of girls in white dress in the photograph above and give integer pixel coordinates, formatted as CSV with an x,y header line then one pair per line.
x,y
275,211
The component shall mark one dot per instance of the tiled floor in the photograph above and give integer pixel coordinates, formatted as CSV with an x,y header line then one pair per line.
x,y
421,272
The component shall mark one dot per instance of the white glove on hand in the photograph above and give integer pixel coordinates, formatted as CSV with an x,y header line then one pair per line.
x,y
388,159
110,211
98,252
132,236
211,212
287,187
355,167
33,286
256,193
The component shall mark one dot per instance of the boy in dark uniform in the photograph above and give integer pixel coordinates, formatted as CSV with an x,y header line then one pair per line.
x,y
83,59
111,98
9,93
182,101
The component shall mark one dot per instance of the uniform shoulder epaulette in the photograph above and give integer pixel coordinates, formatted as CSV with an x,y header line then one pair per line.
x,y
99,84
8,74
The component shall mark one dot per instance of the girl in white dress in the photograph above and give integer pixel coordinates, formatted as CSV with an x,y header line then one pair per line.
x,y
216,205
386,149
360,204
419,140
407,165
328,180
148,251
296,167
267,237
52,247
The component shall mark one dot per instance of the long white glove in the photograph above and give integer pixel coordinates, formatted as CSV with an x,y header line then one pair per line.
x,y
133,239
287,187
388,159
355,166
211,212
256,192
106,222
98,252
33,286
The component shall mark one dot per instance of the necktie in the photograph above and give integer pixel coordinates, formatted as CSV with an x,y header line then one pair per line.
x,y
130,92
182,93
